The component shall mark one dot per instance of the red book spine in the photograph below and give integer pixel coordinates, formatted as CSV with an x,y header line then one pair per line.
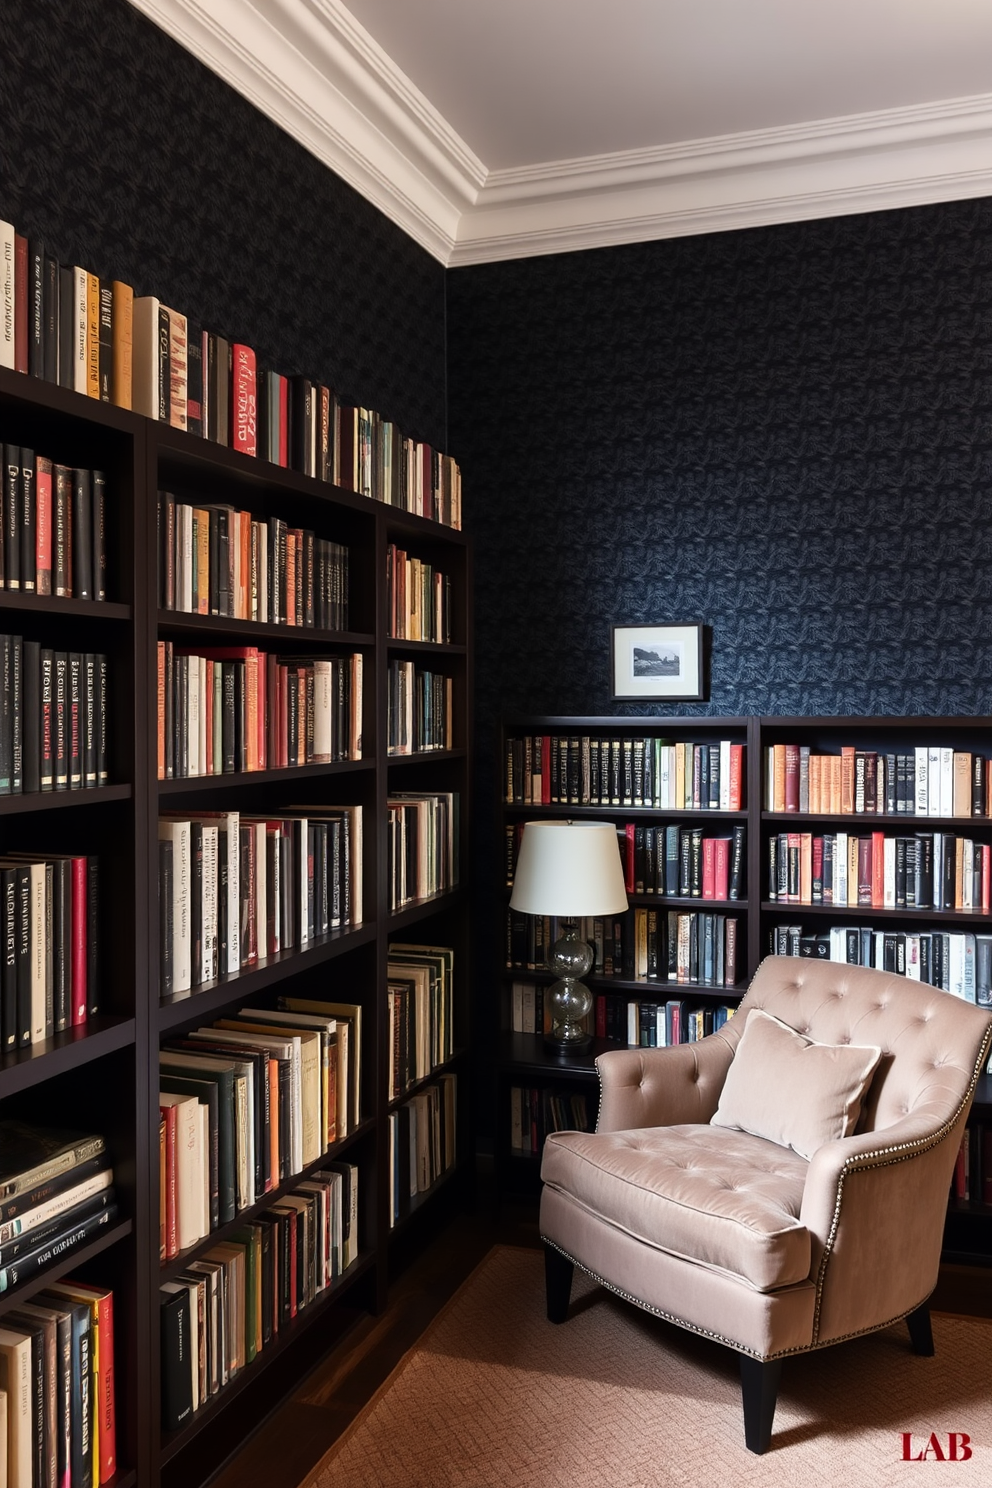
x,y
792,777
261,683
78,941
628,856
986,869
709,868
244,422
877,870
600,1016
546,770
43,524
736,776
107,1424
721,868
20,303
284,421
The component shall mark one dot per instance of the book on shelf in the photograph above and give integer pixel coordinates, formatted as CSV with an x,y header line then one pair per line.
x,y
423,838
57,1193
53,527
228,709
927,780
955,961
972,1180
54,723
235,888
578,769
686,946
420,1005
880,870
535,1112
420,599
419,709
422,1138
51,971
232,1302
214,559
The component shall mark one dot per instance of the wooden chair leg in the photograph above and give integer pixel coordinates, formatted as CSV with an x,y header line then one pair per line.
x,y
558,1283
759,1390
920,1332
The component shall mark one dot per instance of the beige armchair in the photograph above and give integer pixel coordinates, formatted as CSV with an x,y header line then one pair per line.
x,y
769,1248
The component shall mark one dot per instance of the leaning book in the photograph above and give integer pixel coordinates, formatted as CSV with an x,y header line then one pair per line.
x,y
29,1155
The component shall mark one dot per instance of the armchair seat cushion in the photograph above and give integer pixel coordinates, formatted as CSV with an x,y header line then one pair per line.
x,y
709,1195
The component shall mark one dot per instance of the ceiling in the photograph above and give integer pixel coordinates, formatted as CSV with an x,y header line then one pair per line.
x,y
493,129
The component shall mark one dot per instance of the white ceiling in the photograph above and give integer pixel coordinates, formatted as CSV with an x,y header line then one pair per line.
x,y
498,128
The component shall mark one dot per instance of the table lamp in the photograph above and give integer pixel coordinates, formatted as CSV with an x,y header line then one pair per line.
x,y
569,869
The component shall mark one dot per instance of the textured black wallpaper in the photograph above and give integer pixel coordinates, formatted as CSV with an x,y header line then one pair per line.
x,y
130,158
782,433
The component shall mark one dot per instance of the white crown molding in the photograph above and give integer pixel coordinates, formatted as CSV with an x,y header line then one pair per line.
x,y
309,66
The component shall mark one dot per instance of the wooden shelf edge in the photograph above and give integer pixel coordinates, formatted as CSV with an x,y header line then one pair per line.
x,y
210,625
73,1258
193,784
456,1057
55,604
98,795
64,1051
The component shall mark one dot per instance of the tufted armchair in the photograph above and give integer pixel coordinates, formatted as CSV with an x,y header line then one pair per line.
x,y
744,1239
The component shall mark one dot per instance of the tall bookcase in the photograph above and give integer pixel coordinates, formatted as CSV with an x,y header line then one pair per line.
x,y
104,1076
523,1062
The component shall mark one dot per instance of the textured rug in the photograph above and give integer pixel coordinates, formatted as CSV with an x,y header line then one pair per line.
x,y
494,1396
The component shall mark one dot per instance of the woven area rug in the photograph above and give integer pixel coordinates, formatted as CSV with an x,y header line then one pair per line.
x,y
494,1396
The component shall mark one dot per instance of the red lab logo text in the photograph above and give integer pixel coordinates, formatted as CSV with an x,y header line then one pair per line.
x,y
958,1448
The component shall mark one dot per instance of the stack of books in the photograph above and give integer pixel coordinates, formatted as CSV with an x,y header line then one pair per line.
x,y
53,527
56,1192
422,1147
51,972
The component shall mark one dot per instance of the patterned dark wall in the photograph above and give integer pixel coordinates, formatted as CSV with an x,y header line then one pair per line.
x,y
130,158
782,433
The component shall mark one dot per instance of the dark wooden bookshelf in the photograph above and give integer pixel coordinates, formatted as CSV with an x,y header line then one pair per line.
x,y
522,1059
108,1068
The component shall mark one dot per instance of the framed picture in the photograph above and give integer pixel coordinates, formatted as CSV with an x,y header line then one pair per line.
x,y
657,661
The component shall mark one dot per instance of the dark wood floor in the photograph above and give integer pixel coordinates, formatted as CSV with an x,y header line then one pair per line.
x,y
294,1439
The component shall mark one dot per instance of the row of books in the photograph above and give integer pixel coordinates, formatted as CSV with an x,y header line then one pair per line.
x,y
64,324
596,770
419,598
972,1181
233,1302
247,1103
54,724
535,1112
422,1143
659,1025
235,889
420,1005
956,961
56,1192
675,945
423,831
58,1401
419,709
928,780
234,708
51,943
928,870
52,527
216,560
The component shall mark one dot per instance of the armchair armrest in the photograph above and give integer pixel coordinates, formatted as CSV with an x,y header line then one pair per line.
x,y
874,1205
661,1087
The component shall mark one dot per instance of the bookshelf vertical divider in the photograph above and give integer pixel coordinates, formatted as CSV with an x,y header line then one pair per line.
x,y
106,1077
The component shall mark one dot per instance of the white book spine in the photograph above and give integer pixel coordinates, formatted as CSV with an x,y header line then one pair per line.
x,y
889,874
232,828
947,782
922,760
208,938
144,355
193,715
178,833
933,782
8,250
261,889
323,711
840,869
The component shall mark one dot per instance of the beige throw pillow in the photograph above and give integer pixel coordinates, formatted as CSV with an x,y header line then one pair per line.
x,y
790,1090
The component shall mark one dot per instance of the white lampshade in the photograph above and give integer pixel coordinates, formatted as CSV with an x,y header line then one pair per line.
x,y
569,868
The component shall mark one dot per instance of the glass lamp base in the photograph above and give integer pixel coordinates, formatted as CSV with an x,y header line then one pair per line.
x,y
569,999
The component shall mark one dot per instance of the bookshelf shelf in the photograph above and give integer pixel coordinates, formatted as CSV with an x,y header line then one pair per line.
x,y
109,1069
78,1046
457,1057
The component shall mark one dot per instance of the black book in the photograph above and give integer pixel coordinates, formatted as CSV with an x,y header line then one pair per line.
x,y
736,875
60,733
36,308
62,531
227,717
6,713
28,521
176,1341
62,939
82,534
240,716
50,333
75,720
23,932
93,958
46,699
31,691
166,913
99,537
194,379
106,353
8,988
67,328
225,599
102,719
11,516
979,766
302,428
164,366
196,901
16,717
89,720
